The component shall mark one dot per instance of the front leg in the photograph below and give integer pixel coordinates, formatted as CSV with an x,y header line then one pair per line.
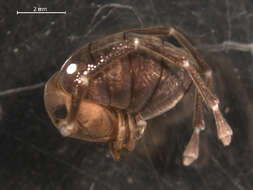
x,y
137,127
130,130
118,144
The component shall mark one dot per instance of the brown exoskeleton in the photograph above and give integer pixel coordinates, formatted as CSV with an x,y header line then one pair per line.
x,y
108,89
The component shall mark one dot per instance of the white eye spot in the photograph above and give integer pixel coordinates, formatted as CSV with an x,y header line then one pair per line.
x,y
71,68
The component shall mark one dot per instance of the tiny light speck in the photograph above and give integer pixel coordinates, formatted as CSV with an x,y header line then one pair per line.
x,y
136,42
71,68
85,80
15,50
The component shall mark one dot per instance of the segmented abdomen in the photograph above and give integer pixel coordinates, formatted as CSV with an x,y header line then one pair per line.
x,y
139,84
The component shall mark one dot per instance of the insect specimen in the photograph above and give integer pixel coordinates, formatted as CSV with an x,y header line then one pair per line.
x,y
108,89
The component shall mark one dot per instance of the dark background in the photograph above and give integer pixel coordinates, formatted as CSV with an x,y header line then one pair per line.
x,y
33,47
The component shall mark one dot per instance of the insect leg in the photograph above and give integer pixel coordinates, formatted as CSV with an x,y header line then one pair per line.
x,y
223,129
204,88
67,126
170,31
191,151
132,134
198,109
117,145
136,130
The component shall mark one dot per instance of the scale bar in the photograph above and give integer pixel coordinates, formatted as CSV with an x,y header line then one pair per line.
x,y
22,12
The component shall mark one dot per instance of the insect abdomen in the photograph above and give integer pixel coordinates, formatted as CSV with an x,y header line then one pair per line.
x,y
171,89
137,83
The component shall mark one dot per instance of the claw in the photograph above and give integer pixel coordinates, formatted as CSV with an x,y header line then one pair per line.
x,y
191,152
226,140
115,154
188,160
223,129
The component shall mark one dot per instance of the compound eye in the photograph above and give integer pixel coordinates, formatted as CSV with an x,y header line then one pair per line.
x,y
60,112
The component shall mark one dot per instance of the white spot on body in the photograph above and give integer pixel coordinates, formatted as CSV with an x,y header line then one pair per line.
x,y
136,42
85,80
71,68
65,132
66,129
186,63
208,73
65,63
215,107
